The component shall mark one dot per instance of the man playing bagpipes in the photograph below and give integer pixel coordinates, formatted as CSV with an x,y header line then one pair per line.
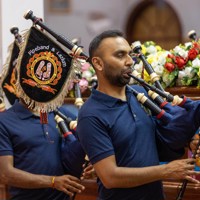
x,y
30,141
122,140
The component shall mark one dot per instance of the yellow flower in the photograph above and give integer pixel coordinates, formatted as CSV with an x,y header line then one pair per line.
x,y
158,48
146,77
151,59
144,50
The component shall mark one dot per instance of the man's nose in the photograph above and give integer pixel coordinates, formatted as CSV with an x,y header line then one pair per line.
x,y
129,61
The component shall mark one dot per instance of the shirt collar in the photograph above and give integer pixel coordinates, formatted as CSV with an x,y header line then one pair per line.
x,y
21,111
108,100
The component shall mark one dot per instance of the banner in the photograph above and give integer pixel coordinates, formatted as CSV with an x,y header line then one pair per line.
x,y
44,70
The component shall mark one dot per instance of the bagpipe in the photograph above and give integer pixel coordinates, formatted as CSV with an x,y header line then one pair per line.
x,y
181,108
184,114
72,154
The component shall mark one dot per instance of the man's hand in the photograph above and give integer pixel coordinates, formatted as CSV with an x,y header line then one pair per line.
x,y
88,172
181,169
68,184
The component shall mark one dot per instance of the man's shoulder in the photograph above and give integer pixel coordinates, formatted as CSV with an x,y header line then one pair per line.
x,y
89,108
90,104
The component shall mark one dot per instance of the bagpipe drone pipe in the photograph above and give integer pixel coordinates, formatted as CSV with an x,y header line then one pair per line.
x,y
192,35
72,154
60,38
78,97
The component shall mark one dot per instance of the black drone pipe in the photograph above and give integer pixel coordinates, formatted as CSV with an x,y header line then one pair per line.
x,y
162,93
155,109
192,35
15,31
60,38
79,100
136,47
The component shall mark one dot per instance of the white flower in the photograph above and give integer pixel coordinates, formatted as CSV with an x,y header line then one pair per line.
x,y
189,72
158,69
196,62
162,57
180,51
138,67
86,74
188,44
157,61
181,74
151,49
166,79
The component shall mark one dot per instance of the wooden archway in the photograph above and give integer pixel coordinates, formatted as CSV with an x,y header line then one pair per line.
x,y
156,21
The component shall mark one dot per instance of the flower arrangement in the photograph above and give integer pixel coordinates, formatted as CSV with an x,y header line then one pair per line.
x,y
86,77
177,67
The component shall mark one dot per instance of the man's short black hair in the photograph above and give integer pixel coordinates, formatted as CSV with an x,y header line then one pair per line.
x,y
94,44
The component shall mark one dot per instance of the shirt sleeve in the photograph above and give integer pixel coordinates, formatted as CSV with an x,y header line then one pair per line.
x,y
172,138
95,139
5,142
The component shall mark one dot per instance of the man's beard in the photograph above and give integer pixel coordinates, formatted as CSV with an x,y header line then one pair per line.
x,y
115,79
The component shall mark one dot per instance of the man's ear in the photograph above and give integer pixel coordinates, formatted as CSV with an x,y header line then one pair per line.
x,y
97,63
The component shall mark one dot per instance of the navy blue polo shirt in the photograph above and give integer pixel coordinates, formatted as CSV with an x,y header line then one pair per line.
x,y
25,138
109,126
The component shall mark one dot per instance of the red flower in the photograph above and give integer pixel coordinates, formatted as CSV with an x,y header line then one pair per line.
x,y
170,56
169,66
180,61
192,54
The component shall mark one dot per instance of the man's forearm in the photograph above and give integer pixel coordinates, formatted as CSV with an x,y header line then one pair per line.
x,y
22,179
133,177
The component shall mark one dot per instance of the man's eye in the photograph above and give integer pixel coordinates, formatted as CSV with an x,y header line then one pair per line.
x,y
120,55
